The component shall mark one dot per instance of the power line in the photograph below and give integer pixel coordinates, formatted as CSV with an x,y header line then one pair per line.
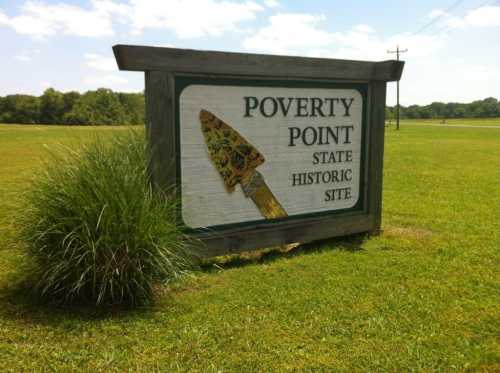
x,y
447,29
435,19
398,52
446,12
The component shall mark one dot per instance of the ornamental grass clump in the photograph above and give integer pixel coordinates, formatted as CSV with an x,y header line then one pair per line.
x,y
96,232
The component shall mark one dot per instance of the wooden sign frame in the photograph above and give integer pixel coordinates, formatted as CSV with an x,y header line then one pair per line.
x,y
164,67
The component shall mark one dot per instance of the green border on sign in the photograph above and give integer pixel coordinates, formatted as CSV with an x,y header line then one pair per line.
x,y
182,82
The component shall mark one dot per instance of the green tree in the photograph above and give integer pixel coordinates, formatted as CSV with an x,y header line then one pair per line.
x,y
51,107
69,100
489,108
23,109
2,109
134,107
100,107
435,110
413,112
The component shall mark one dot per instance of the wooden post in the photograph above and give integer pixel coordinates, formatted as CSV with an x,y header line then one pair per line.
x,y
159,129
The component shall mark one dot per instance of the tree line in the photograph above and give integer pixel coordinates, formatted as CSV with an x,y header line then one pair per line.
x,y
100,107
105,107
487,108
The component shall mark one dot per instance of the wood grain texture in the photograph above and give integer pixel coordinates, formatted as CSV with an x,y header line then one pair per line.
x,y
160,129
141,58
377,93
303,231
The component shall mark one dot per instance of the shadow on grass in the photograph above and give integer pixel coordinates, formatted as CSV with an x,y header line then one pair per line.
x,y
18,303
352,243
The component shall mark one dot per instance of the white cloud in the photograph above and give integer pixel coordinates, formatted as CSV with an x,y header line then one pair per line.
x,y
108,80
301,34
436,13
40,20
484,16
22,57
4,20
363,28
289,33
105,79
271,3
449,21
191,18
99,62
107,7
27,55
187,18
454,23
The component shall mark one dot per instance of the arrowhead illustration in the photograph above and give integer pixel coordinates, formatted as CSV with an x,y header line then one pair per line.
x,y
236,161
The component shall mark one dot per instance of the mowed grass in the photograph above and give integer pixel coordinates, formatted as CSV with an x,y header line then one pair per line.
x,y
22,148
424,295
481,122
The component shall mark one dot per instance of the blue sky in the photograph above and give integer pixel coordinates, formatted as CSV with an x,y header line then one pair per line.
x,y
453,45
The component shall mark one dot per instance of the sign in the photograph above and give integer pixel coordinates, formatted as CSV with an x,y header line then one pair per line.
x,y
264,150
308,138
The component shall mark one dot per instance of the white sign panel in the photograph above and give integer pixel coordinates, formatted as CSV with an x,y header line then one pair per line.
x,y
304,141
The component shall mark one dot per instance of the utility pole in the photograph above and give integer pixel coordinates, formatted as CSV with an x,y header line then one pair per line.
x,y
398,52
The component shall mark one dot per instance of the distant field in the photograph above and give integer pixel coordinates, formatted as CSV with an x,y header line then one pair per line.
x,y
422,296
453,122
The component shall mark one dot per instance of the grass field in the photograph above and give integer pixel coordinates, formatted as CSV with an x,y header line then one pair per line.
x,y
490,122
424,295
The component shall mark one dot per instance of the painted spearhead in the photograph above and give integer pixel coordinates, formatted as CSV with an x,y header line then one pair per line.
x,y
233,156
236,160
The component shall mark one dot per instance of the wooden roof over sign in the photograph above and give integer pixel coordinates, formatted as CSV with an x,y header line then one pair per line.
x,y
141,58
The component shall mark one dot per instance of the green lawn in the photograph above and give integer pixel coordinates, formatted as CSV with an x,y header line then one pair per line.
x,y
424,295
490,122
